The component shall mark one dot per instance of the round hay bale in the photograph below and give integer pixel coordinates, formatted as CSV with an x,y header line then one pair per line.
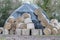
x,y
50,26
19,19
26,15
44,24
54,21
21,26
30,26
11,19
43,20
7,26
47,31
40,17
37,11
13,26
54,31
27,20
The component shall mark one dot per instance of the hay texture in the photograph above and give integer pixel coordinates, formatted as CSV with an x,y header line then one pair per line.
x,y
21,26
7,26
26,15
19,19
47,31
11,19
54,31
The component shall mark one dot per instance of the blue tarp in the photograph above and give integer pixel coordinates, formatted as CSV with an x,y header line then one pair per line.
x,y
29,8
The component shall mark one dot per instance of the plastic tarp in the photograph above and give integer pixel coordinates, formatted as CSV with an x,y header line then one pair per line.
x,y
29,8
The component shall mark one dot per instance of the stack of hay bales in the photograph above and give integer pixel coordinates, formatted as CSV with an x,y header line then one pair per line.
x,y
51,27
10,25
56,26
22,22
41,17
28,21
44,22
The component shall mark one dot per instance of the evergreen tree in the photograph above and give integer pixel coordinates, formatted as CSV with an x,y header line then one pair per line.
x,y
4,10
